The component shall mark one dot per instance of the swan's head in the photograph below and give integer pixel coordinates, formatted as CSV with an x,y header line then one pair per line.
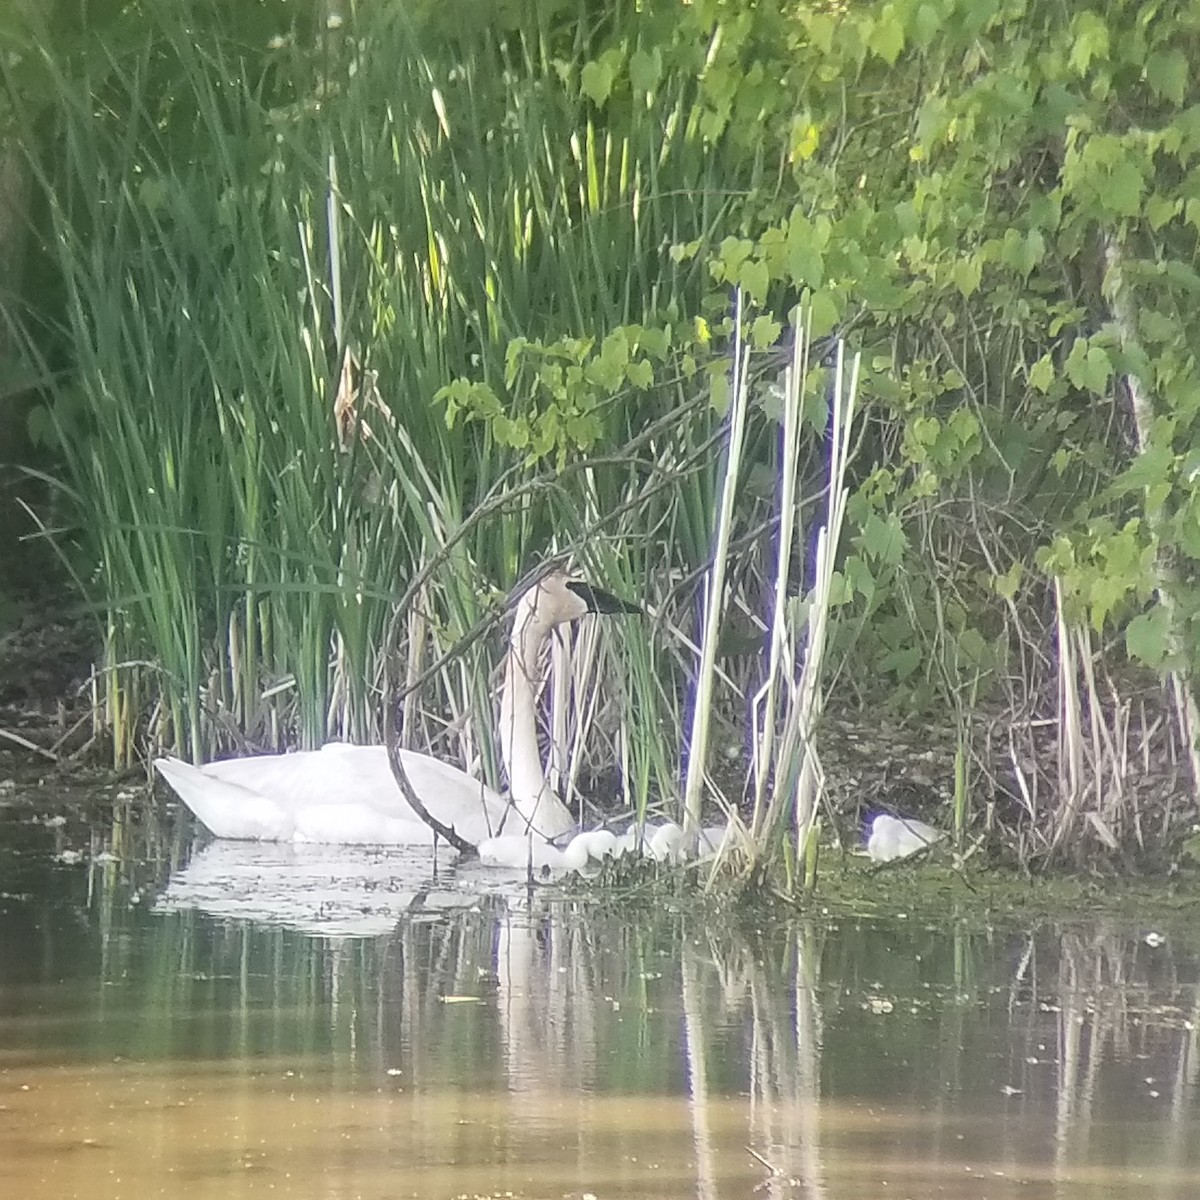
x,y
559,597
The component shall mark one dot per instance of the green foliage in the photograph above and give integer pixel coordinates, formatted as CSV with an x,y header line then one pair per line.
x,y
984,157
558,391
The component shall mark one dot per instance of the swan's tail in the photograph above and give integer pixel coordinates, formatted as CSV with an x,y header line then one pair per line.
x,y
226,809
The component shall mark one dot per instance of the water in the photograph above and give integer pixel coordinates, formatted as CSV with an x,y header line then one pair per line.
x,y
349,1025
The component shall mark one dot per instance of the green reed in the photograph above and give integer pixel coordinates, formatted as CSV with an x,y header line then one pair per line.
x,y
222,253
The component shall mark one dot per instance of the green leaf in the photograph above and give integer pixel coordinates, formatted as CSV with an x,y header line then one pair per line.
x,y
605,373
1122,193
718,395
972,647
1188,526
805,263
964,425
933,122
824,312
1097,370
967,274
1041,374
731,253
510,432
1148,637
615,349
814,412
903,662
1088,367
1045,209
859,576
887,38
1150,469
764,332
820,31
1030,251
152,193
883,539
755,279
655,342
1091,41
596,80
1006,585
926,25
712,124
841,592
1167,74
908,221
805,139
1182,275
641,373
645,70
512,358
1104,595
1158,327
1160,209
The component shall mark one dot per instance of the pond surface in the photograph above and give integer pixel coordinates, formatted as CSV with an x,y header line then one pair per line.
x,y
255,1022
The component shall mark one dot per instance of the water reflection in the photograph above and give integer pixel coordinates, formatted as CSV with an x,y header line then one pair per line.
x,y
326,891
481,1045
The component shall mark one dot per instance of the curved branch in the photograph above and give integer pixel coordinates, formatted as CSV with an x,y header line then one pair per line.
x,y
392,737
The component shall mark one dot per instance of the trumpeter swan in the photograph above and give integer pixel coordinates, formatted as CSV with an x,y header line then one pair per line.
x,y
347,794
898,837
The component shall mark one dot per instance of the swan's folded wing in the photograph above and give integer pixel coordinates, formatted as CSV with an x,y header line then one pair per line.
x,y
227,808
338,794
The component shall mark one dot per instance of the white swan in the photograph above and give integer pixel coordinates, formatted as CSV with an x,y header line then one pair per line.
x,y
347,794
898,837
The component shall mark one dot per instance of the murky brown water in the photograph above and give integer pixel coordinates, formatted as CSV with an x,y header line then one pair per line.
x,y
459,1046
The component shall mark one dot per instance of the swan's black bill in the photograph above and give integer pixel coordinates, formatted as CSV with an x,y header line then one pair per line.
x,y
599,601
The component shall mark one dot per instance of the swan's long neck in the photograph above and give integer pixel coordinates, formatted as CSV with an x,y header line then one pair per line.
x,y
538,808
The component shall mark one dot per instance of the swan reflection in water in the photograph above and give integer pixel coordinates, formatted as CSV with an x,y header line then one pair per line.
x,y
324,891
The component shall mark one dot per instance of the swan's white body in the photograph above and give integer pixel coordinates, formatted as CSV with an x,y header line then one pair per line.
x,y
898,837
347,794
340,793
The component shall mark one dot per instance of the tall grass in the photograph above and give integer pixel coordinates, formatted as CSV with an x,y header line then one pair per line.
x,y
254,501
